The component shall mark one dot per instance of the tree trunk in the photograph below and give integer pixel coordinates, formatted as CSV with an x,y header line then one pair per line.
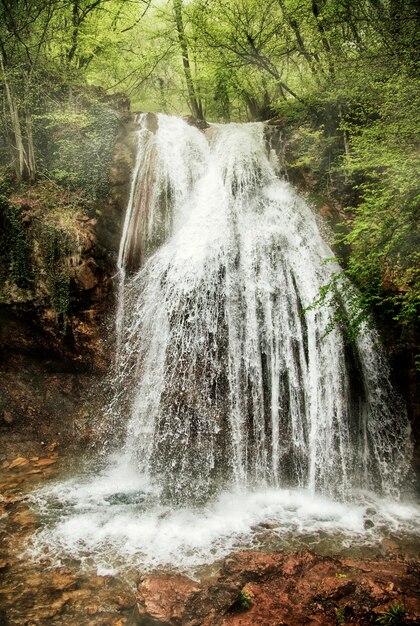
x,y
192,96
299,38
75,31
346,142
19,154
316,9
30,143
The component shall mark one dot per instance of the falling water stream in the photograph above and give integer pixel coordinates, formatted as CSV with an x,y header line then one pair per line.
x,y
235,403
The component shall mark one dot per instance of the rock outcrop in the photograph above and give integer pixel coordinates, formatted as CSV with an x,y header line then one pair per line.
x,y
281,589
55,333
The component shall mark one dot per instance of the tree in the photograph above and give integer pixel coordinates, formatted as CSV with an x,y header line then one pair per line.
x,y
23,35
192,96
41,55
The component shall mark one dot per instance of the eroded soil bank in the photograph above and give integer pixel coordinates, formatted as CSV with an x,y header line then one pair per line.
x,y
245,589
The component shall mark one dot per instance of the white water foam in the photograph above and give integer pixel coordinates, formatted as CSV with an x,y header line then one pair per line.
x,y
114,522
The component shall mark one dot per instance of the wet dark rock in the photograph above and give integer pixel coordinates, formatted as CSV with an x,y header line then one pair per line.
x,y
87,274
266,525
277,145
49,363
151,122
8,418
283,588
277,121
200,124
37,592
137,497
3,618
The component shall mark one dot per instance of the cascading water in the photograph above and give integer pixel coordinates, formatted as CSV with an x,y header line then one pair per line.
x,y
226,381
224,374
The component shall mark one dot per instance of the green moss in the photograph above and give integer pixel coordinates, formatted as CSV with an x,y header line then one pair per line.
x,y
350,309
15,247
341,614
59,286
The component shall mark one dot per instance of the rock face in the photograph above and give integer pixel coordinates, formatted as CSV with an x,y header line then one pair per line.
x,y
280,589
49,365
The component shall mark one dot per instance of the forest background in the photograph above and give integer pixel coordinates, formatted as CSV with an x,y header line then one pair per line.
x,y
339,76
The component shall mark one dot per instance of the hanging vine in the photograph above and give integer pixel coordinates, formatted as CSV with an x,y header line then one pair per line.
x,y
15,247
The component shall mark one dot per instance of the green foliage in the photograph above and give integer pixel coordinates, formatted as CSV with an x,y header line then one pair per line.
x,y
341,614
38,241
350,309
314,152
59,287
358,138
385,236
79,158
15,247
244,601
343,76
393,616
222,94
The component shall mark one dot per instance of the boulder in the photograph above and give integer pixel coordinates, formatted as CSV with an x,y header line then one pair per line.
x,y
86,274
162,599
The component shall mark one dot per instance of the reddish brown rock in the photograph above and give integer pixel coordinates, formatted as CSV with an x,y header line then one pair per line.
x,y
326,211
20,461
283,589
63,580
8,418
44,462
161,599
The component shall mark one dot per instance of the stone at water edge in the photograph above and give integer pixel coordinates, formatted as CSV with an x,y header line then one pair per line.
x,y
45,462
162,598
20,461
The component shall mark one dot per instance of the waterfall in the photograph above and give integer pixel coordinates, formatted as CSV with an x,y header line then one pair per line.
x,y
234,403
224,373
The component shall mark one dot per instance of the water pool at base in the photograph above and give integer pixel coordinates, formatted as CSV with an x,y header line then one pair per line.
x,y
113,522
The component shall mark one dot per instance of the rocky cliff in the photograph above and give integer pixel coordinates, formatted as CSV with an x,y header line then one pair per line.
x,y
59,258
